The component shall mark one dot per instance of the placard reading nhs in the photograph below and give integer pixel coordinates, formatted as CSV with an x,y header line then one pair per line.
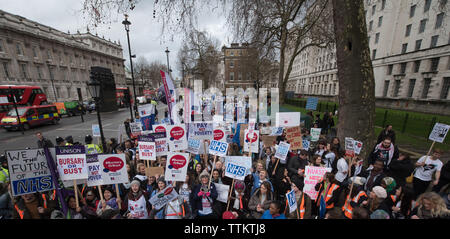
x,y
218,148
237,166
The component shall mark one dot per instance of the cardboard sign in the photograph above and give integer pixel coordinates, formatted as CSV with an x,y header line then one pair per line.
x,y
269,140
357,146
28,171
439,132
71,162
292,201
313,175
315,134
136,129
201,131
222,191
311,103
113,168
147,147
166,195
282,151
193,145
287,119
253,140
176,167
95,130
154,171
177,137
294,136
265,130
94,172
218,148
237,167
276,131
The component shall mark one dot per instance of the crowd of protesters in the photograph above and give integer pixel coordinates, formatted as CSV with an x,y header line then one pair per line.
x,y
377,187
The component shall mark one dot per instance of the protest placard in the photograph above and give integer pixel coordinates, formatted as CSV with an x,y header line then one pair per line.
x,y
113,168
177,137
222,191
269,140
253,140
146,110
71,162
147,147
276,131
28,171
243,128
176,167
294,136
220,135
265,130
237,167
201,131
160,128
311,103
154,171
166,195
135,129
349,147
292,201
193,146
313,175
315,134
358,146
305,144
287,119
95,130
94,173
218,148
282,151
161,143
122,134
439,132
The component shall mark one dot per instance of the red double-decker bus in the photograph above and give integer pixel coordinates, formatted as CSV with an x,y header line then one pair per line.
x,y
27,96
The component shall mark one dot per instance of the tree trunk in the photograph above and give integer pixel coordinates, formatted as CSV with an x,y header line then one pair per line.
x,y
281,83
355,73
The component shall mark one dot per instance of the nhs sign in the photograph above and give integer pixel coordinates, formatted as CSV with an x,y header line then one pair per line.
x,y
218,148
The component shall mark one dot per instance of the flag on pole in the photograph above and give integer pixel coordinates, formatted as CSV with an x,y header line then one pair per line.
x,y
169,90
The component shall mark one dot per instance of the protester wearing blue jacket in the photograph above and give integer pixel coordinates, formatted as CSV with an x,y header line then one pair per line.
x,y
274,211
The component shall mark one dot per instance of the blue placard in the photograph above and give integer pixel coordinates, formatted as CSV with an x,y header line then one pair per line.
x,y
305,144
311,103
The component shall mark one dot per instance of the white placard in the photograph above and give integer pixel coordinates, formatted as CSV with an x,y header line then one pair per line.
x,y
237,167
113,168
287,119
254,138
176,167
177,137
439,132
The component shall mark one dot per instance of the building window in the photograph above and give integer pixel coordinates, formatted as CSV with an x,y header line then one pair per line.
x,y
416,66
390,67
412,11
374,8
445,88
426,87
231,53
239,76
231,76
231,64
412,83
439,18
374,53
23,68
377,38
422,26
383,4
49,54
380,21
370,25
434,40
35,52
19,49
408,30
386,88
403,68
434,64
5,69
2,49
404,48
39,71
397,87
418,45
427,5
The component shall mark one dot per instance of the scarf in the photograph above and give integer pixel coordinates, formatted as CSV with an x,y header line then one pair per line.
x,y
391,150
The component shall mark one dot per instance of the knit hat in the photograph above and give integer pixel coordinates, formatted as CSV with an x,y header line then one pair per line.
x,y
379,191
204,174
390,184
136,182
358,180
298,183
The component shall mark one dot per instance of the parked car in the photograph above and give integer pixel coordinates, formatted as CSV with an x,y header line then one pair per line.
x,y
89,106
30,116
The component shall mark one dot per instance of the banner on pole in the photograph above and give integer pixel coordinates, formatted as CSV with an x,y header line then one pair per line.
x,y
147,147
176,167
292,201
439,132
253,140
113,168
71,162
161,143
94,173
177,137
218,148
282,151
237,167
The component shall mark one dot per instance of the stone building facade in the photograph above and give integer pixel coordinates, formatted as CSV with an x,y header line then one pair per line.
x,y
35,54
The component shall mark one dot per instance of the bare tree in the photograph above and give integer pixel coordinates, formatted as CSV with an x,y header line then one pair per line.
x,y
355,73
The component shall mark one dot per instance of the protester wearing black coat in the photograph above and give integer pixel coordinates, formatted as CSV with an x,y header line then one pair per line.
x,y
196,200
400,169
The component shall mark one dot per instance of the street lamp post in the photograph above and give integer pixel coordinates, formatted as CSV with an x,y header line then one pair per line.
x,y
167,53
127,24
94,88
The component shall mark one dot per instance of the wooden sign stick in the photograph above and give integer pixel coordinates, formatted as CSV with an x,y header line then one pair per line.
x,y
118,195
210,176
429,151
275,169
100,192
229,194
75,191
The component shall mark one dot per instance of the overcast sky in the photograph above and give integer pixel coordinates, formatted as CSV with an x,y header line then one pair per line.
x,y
145,31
